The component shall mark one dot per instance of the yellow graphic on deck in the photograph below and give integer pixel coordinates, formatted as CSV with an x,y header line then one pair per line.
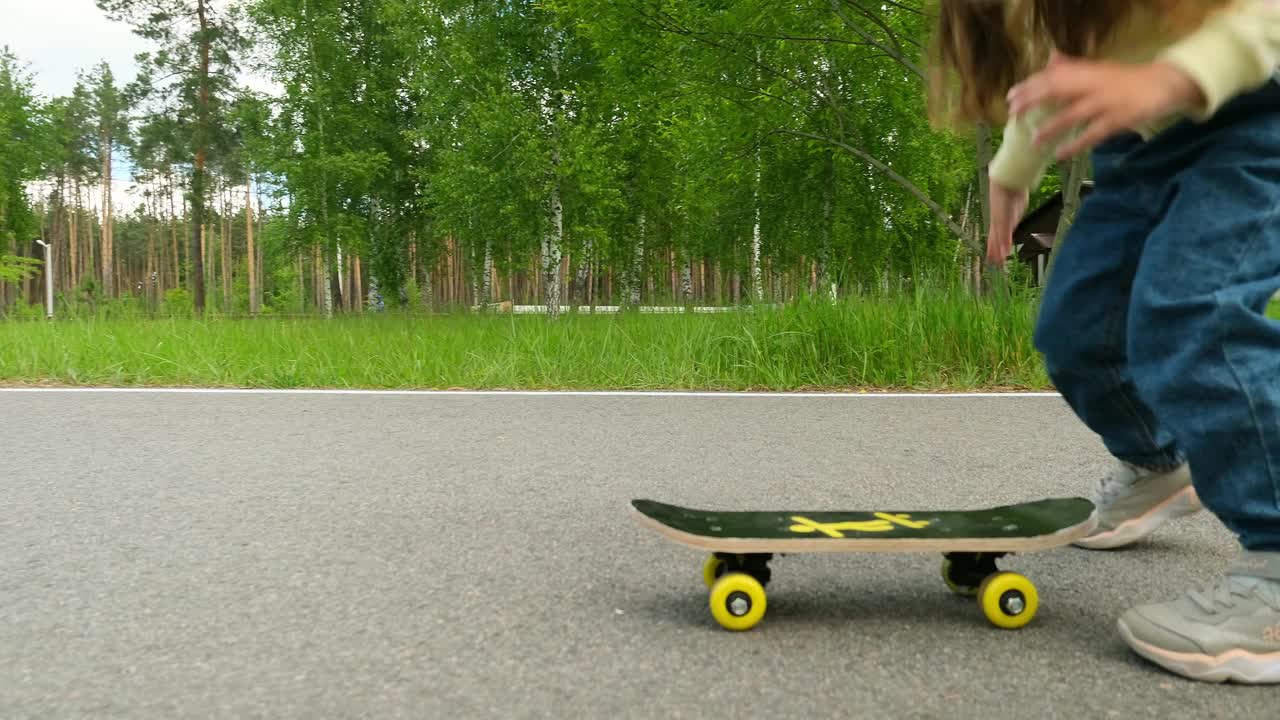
x,y
886,522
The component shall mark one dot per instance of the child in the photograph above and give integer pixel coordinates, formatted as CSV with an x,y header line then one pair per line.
x,y
1153,322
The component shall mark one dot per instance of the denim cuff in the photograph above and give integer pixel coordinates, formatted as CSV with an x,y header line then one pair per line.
x,y
1158,463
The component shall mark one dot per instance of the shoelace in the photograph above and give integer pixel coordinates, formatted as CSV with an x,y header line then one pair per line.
x,y
1228,591
1221,594
1113,484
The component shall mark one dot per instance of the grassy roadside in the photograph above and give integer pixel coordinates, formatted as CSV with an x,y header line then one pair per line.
x,y
930,340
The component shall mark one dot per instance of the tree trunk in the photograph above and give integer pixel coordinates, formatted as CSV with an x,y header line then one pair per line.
x,y
428,290
225,247
983,155
581,280
250,251
122,281
258,278
553,240
302,285
73,238
1074,179
107,255
8,246
91,266
327,286
344,281
173,238
357,286
162,260
210,269
58,237
149,282
825,286
686,282
486,295
187,231
757,276
202,149
551,248
334,301
636,276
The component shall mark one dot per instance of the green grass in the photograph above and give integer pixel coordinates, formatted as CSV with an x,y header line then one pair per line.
x,y
935,340
928,340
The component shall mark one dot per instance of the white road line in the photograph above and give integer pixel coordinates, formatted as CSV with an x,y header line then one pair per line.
x,y
526,393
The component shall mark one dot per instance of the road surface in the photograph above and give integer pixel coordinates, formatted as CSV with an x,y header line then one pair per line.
x,y
428,556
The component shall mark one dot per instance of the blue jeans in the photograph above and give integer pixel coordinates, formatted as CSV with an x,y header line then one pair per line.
x,y
1153,323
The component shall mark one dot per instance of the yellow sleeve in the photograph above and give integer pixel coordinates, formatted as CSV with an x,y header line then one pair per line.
x,y
1019,164
1235,51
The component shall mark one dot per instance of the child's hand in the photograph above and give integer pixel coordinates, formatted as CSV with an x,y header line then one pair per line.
x,y
1007,207
1103,98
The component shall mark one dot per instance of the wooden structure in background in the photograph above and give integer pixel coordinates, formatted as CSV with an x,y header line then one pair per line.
x,y
1035,236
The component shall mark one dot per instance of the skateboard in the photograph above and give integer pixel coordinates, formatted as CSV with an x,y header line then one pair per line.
x,y
742,544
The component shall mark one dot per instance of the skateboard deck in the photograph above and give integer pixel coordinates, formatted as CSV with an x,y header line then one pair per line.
x,y
742,544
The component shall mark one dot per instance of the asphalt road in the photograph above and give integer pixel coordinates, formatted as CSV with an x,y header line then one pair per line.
x,y
342,556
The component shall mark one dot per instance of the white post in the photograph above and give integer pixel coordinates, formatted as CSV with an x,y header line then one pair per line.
x,y
48,279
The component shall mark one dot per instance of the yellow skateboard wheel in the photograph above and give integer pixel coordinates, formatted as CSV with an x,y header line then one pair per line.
x,y
1008,599
711,569
738,601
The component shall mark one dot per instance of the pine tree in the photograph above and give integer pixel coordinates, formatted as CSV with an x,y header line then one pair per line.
x,y
191,75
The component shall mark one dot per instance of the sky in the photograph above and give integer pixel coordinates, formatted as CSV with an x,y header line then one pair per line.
x,y
57,38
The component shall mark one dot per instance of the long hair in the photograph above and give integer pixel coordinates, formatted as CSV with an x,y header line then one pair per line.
x,y
981,48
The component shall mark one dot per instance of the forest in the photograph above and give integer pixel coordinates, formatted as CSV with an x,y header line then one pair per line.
x,y
450,154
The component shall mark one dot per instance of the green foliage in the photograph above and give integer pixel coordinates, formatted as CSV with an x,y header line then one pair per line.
x,y
69,137
107,106
22,127
405,122
671,134
26,311
340,139
282,297
177,303
412,297
739,87
15,269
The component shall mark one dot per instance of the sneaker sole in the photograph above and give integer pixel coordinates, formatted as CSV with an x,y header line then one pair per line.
x,y
1184,503
1237,666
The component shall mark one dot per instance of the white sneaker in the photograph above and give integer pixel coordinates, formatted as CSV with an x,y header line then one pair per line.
x,y
1133,502
1228,630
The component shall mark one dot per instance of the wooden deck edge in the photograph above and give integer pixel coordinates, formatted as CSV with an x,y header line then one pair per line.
x,y
880,545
